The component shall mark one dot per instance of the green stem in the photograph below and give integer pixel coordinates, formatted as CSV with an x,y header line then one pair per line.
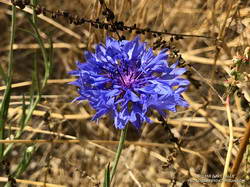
x,y
118,152
34,16
5,102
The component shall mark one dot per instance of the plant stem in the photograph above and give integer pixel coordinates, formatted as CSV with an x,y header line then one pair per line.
x,y
5,102
238,160
118,152
230,146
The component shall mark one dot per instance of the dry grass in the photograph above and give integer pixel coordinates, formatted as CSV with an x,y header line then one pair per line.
x,y
149,158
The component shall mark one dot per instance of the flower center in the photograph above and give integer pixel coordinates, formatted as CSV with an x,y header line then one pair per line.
x,y
128,80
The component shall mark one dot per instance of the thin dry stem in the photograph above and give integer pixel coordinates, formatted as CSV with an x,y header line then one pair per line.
x,y
230,145
30,182
238,160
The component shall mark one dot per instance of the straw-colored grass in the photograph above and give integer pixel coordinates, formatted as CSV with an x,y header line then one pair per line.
x,y
74,151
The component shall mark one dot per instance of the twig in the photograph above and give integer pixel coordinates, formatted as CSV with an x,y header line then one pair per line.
x,y
113,27
208,83
176,141
202,112
28,83
238,160
50,21
29,182
220,38
80,116
230,146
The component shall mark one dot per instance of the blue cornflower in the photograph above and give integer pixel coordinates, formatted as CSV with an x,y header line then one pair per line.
x,y
126,80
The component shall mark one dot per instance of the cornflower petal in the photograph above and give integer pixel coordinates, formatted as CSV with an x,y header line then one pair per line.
x,y
126,80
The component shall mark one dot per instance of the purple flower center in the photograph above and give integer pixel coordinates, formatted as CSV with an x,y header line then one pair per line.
x,y
128,80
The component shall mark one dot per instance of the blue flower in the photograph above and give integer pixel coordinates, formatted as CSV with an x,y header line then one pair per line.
x,y
125,80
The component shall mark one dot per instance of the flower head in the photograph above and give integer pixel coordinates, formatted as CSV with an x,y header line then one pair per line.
x,y
126,80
